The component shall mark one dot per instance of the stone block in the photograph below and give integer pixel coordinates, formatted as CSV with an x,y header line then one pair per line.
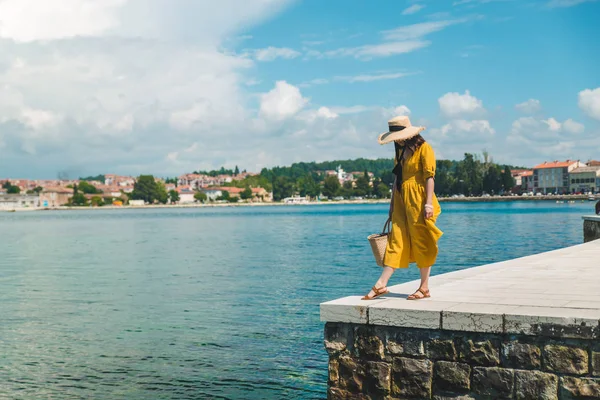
x,y
521,355
441,350
337,337
378,378
535,385
341,394
556,322
481,353
411,378
591,229
404,343
333,371
595,363
351,375
579,388
493,383
566,359
367,345
465,397
451,377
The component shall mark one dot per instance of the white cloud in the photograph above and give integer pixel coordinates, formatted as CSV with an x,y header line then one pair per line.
x,y
27,20
416,31
536,129
121,83
282,102
461,126
40,119
323,113
326,113
553,124
530,106
272,53
401,110
415,8
454,104
368,52
589,102
573,126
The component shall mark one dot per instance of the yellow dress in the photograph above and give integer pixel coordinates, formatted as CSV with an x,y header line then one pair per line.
x,y
414,238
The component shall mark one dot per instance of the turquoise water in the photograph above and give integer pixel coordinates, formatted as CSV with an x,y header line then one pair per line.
x,y
218,303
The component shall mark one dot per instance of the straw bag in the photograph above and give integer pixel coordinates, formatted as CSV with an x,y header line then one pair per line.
x,y
379,241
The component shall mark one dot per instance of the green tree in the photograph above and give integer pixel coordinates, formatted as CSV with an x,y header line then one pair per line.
x,y
508,182
146,188
173,196
307,186
246,194
331,186
200,197
88,188
347,190
97,178
97,201
492,181
12,189
383,191
236,171
234,199
162,194
282,187
363,187
78,199
224,196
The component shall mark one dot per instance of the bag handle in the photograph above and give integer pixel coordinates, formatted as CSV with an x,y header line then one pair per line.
x,y
388,223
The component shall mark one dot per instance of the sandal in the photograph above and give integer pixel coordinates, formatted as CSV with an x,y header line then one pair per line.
x,y
378,292
425,294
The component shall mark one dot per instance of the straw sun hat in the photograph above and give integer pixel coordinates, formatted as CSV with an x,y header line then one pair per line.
x,y
399,129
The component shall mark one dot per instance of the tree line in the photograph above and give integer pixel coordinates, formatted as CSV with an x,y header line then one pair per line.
x,y
472,176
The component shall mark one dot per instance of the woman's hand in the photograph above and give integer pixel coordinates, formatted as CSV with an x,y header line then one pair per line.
x,y
428,211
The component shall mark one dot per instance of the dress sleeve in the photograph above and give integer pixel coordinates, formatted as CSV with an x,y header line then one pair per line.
x,y
428,161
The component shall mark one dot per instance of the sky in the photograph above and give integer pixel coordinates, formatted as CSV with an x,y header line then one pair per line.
x,y
171,86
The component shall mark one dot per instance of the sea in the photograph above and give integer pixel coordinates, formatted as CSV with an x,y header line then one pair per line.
x,y
213,303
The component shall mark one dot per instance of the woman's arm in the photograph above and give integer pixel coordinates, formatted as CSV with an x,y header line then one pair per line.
x,y
429,187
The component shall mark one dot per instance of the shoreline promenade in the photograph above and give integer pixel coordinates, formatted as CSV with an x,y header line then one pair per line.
x,y
491,199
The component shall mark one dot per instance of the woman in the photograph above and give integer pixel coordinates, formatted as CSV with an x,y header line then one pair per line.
x,y
415,208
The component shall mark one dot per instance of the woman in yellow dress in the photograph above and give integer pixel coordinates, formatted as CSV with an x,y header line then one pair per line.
x,y
415,208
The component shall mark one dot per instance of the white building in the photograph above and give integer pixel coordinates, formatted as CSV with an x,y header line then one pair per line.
x,y
553,177
212,194
16,201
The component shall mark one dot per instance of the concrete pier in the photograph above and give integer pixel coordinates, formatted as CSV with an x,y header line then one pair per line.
x,y
591,228
527,328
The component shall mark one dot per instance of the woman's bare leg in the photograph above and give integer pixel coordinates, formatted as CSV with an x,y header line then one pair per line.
x,y
382,282
424,286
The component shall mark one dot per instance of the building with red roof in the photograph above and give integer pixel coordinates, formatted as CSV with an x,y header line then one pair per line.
x,y
553,177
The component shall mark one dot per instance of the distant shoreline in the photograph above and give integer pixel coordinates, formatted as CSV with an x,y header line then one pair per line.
x,y
492,199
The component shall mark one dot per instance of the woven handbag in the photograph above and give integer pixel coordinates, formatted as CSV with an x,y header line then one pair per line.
x,y
379,241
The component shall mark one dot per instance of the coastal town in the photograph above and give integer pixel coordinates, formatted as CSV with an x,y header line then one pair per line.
x,y
569,177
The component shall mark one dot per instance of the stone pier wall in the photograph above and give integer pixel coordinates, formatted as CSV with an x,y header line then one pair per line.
x,y
591,228
384,362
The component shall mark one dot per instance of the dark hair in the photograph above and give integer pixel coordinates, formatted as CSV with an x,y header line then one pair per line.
x,y
598,208
403,151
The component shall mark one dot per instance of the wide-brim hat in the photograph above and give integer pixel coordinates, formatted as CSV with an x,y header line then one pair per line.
x,y
400,128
